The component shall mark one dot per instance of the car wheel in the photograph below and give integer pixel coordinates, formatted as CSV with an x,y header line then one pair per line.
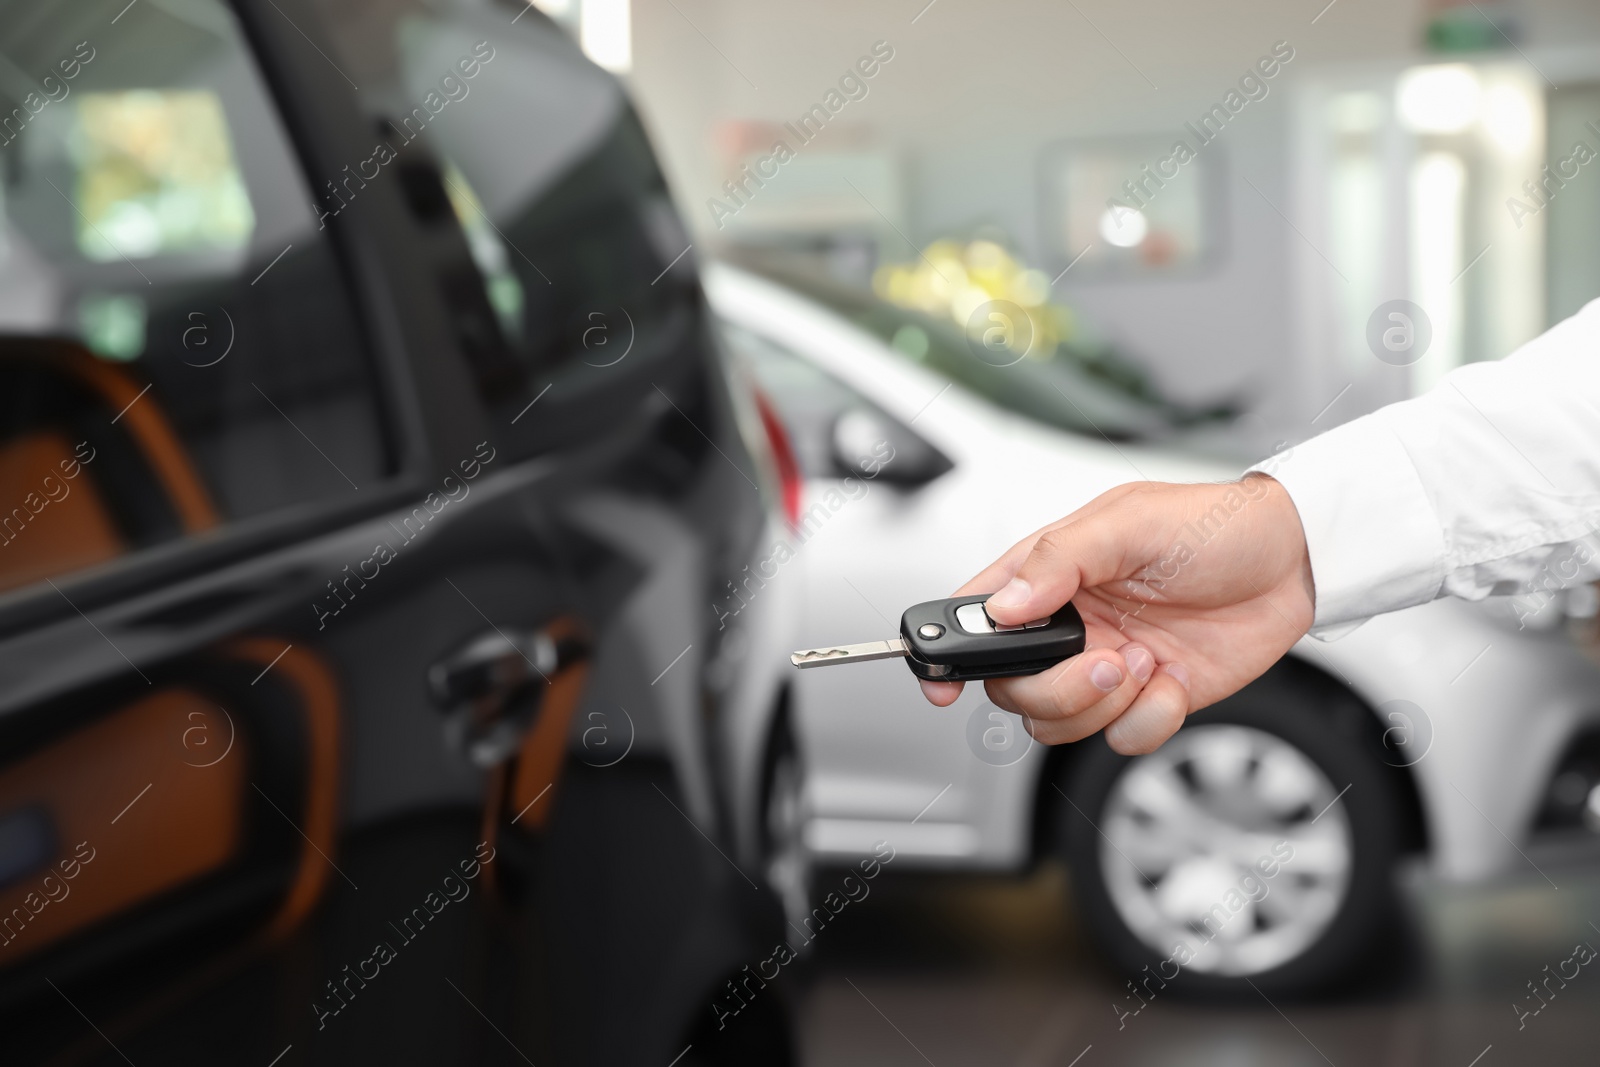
x,y
1255,846
787,861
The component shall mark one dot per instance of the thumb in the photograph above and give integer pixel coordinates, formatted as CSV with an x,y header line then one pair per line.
x,y
1063,560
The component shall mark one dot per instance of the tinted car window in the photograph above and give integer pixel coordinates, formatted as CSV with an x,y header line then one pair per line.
x,y
177,347
1089,390
547,172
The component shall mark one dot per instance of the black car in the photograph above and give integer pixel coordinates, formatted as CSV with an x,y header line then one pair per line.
x,y
366,470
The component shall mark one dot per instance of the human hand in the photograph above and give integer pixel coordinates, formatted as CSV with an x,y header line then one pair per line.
x,y
1188,593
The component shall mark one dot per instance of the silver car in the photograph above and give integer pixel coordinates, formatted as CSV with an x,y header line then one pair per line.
x,y
1262,842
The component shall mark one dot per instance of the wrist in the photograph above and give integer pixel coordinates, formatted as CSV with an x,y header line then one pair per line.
x,y
1285,531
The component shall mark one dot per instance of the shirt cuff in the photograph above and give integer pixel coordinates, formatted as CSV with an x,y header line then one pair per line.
x,y
1371,532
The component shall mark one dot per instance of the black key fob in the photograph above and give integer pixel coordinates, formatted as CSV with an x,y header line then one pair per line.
x,y
955,641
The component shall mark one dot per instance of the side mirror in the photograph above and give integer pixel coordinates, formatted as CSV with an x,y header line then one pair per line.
x,y
868,444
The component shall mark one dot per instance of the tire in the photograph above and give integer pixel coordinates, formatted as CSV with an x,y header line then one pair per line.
x,y
1261,839
786,861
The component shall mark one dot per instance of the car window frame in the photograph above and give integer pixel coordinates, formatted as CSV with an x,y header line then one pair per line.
x,y
379,316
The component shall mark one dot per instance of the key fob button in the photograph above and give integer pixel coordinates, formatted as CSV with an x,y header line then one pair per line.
x,y
1001,628
974,619
931,631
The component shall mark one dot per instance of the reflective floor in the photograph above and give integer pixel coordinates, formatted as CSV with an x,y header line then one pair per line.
x,y
952,971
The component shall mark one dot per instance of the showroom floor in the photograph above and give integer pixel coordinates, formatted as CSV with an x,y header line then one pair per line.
x,y
952,971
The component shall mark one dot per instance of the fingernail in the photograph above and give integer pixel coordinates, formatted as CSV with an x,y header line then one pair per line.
x,y
1141,663
1178,671
1106,676
1014,595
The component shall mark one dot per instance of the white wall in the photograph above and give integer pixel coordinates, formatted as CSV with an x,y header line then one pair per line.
x,y
977,89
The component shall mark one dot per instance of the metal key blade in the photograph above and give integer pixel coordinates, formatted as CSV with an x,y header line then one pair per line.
x,y
822,657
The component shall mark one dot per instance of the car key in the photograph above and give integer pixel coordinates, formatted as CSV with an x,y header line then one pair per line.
x,y
955,640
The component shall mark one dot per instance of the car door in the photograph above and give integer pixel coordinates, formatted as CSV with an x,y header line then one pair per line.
x,y
568,285
294,633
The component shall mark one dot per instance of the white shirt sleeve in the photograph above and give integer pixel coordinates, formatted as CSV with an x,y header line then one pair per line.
x,y
1487,484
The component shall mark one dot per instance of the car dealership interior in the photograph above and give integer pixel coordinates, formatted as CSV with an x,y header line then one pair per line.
x,y
438,437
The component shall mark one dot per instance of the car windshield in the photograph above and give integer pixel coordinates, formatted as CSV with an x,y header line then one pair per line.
x,y
1083,387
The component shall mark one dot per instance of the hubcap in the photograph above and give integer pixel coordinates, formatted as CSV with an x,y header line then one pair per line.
x,y
1191,832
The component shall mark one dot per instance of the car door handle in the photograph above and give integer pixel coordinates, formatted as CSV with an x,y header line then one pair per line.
x,y
493,666
492,687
